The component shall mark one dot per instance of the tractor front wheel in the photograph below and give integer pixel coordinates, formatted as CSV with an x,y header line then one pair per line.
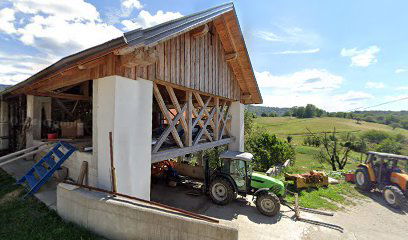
x,y
394,196
268,204
363,180
221,191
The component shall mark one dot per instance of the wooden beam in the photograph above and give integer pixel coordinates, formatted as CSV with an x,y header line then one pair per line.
x,y
169,128
246,96
204,128
201,103
231,56
173,153
139,57
199,31
66,96
176,106
216,117
189,119
65,109
166,114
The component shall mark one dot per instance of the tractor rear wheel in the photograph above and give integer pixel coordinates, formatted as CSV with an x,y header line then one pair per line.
x,y
268,204
221,191
363,180
394,196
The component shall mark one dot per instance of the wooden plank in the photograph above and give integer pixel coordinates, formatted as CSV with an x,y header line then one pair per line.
x,y
182,61
187,60
177,106
201,113
197,64
160,63
192,63
173,153
201,103
202,66
169,128
173,61
198,137
201,124
165,112
189,119
216,118
167,57
177,57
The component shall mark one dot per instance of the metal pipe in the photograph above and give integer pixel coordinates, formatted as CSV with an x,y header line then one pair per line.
x,y
187,213
8,156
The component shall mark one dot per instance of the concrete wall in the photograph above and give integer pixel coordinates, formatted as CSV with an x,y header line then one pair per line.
x,y
124,107
115,218
34,106
237,127
74,162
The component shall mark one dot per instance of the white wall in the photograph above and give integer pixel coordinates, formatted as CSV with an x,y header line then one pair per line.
x,y
237,126
124,107
34,106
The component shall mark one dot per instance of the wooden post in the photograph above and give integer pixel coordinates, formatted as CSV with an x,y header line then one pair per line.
x,y
189,119
113,174
216,118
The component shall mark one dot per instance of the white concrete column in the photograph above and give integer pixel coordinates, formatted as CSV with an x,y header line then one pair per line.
x,y
124,107
237,127
35,105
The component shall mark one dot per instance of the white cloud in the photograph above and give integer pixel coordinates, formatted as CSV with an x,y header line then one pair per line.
x,y
59,27
289,35
306,51
315,86
308,80
400,70
363,57
132,4
7,20
145,19
403,88
376,85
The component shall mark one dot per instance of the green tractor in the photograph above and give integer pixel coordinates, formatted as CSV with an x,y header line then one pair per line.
x,y
233,175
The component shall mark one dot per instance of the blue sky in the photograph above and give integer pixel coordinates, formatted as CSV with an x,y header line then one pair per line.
x,y
338,55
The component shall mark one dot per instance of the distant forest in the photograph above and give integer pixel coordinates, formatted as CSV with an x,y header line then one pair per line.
x,y
395,119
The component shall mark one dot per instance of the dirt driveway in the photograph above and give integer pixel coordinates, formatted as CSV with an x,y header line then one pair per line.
x,y
368,219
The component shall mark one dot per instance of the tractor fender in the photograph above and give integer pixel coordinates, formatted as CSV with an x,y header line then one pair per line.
x,y
370,171
228,178
261,191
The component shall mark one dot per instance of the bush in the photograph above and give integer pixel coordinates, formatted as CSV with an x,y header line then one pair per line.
x,y
389,146
313,141
375,136
268,150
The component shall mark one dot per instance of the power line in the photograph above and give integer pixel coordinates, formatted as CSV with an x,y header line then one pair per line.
x,y
381,104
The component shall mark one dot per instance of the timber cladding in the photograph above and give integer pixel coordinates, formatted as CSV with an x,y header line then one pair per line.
x,y
193,62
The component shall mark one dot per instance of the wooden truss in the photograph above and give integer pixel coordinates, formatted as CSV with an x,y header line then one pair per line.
x,y
202,118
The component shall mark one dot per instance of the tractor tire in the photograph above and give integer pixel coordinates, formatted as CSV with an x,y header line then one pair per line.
x,y
268,204
394,196
221,191
363,180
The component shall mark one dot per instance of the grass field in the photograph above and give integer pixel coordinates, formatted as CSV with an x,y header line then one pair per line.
x,y
30,219
335,195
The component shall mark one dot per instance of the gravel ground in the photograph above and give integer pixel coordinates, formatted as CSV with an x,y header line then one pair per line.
x,y
368,219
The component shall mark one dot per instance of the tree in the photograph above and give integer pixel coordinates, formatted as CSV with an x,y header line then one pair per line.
x,y
273,114
248,123
289,113
389,146
335,152
268,150
264,114
310,111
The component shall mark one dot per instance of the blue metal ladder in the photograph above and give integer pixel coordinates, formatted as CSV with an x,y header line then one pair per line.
x,y
42,171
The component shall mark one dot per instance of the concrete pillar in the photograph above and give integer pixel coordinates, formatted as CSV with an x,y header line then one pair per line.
x,y
124,107
4,125
34,107
237,127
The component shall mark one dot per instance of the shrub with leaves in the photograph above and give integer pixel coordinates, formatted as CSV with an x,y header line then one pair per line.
x,y
268,151
389,146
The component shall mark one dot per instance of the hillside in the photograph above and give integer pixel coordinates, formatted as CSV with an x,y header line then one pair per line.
x,y
284,126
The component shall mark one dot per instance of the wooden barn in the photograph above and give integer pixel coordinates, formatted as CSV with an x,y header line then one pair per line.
x,y
163,92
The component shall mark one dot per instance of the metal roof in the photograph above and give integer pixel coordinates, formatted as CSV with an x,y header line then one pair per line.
x,y
389,155
237,155
161,32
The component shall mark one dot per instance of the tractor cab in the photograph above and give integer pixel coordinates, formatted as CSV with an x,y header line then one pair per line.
x,y
387,173
233,175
